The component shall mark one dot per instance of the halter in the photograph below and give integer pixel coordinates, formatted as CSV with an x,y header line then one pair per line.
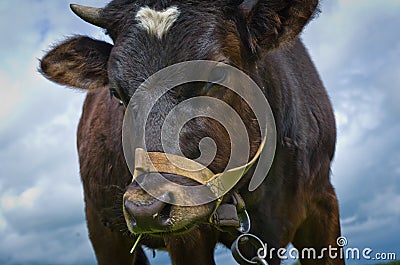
x,y
157,162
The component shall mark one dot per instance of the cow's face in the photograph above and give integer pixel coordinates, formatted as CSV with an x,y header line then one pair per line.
x,y
150,35
148,38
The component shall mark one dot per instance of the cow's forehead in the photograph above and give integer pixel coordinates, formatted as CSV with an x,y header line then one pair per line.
x,y
158,35
155,22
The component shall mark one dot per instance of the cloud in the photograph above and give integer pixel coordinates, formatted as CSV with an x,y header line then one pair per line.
x,y
41,198
45,224
57,246
13,93
355,48
26,199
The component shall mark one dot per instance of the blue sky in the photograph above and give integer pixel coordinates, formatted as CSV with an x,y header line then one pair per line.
x,y
356,47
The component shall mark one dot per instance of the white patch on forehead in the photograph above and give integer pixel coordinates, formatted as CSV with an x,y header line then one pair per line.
x,y
157,22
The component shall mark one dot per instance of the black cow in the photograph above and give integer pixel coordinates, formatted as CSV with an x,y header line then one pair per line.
x,y
296,203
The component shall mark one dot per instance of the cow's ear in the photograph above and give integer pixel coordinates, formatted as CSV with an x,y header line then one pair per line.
x,y
79,62
273,23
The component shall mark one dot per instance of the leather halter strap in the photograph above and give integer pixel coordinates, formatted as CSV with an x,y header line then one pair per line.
x,y
219,184
156,162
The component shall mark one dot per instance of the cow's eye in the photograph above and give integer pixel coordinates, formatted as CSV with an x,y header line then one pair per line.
x,y
114,93
217,76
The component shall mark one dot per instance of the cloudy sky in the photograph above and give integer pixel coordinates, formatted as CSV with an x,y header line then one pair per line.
x,y
356,47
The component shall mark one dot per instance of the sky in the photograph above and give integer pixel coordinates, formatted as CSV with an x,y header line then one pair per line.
x,y
355,45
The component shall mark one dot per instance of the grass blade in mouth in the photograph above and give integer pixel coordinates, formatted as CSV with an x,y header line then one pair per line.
x,y
136,243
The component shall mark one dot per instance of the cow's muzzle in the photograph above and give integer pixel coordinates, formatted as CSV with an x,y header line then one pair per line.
x,y
150,216
145,214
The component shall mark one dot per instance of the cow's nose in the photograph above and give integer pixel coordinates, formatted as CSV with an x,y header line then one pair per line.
x,y
149,216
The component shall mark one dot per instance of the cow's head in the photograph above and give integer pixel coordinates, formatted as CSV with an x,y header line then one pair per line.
x,y
149,35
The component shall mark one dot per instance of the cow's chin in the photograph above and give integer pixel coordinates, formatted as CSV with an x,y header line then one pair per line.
x,y
175,233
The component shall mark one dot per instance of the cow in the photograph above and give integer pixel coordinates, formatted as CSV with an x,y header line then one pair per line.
x,y
296,203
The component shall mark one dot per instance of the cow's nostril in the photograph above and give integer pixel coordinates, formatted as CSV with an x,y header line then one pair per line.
x,y
149,215
165,214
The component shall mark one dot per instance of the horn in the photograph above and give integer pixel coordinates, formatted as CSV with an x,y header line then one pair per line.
x,y
89,14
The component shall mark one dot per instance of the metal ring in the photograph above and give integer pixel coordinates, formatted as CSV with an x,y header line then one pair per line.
x,y
260,261
244,220
249,238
